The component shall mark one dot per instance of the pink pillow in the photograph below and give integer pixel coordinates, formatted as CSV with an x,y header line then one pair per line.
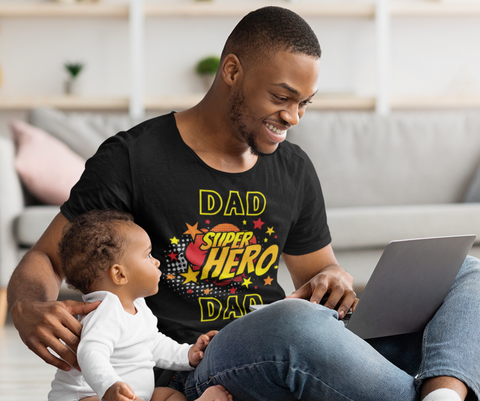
x,y
46,166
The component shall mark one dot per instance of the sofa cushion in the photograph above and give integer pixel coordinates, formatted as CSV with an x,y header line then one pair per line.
x,y
82,132
32,222
473,191
47,167
374,227
364,159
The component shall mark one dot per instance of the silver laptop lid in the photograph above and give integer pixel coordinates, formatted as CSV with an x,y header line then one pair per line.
x,y
408,285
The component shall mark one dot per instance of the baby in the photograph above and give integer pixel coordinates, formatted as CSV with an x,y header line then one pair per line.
x,y
106,256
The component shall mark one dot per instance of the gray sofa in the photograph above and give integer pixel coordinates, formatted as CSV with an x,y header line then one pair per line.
x,y
403,176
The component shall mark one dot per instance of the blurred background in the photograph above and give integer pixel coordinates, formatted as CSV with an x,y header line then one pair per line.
x,y
415,53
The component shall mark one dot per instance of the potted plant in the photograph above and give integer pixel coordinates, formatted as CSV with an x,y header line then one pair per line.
x,y
73,70
207,68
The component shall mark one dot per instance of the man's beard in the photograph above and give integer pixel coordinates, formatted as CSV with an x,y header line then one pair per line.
x,y
237,115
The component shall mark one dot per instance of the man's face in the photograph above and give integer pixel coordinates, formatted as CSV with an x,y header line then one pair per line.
x,y
272,98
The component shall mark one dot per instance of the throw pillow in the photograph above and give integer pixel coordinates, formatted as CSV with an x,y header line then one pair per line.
x,y
46,166
82,132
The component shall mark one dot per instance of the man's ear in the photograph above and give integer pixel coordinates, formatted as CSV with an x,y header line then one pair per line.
x,y
231,69
118,274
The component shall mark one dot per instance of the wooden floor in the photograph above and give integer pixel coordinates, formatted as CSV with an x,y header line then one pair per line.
x,y
23,376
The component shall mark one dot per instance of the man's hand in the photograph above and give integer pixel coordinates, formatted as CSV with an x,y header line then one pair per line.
x,y
195,354
51,324
334,282
120,392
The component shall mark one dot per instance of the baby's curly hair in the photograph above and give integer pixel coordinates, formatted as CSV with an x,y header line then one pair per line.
x,y
91,243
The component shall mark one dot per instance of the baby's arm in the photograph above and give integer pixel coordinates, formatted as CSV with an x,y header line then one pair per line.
x,y
100,334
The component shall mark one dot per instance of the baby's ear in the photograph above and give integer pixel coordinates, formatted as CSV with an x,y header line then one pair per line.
x,y
118,275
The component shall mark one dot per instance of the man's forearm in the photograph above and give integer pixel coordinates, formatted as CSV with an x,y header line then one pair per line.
x,y
34,279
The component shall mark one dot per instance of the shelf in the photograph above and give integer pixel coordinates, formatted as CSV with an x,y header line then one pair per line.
x,y
435,9
182,102
435,102
212,9
64,102
64,10
320,102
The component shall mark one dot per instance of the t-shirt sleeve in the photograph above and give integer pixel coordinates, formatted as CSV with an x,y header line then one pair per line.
x,y
106,182
310,231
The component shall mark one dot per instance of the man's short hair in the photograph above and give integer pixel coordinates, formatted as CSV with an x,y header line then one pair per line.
x,y
92,243
264,32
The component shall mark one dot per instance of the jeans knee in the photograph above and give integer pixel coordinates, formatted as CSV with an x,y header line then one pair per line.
x,y
297,319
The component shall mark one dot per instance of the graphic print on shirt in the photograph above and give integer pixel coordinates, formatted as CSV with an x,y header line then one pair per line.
x,y
226,258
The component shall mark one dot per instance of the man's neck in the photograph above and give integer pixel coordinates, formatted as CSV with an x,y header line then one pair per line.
x,y
206,130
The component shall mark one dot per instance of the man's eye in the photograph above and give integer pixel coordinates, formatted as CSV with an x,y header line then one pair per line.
x,y
282,99
149,255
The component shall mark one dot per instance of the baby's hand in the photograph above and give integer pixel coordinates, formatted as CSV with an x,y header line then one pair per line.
x,y
120,391
195,354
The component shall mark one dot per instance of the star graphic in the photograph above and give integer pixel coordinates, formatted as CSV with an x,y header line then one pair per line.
x,y
190,291
247,282
207,221
170,276
174,241
190,275
258,223
244,222
207,291
275,267
192,230
270,230
268,280
265,240
173,256
233,290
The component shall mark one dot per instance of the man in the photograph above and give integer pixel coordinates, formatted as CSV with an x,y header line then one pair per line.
x,y
222,196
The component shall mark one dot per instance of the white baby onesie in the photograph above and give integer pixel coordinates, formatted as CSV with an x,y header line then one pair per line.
x,y
117,346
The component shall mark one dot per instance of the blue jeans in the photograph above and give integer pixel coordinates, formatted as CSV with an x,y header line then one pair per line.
x,y
295,350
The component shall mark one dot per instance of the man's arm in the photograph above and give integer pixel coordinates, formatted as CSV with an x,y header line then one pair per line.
x,y
32,292
318,273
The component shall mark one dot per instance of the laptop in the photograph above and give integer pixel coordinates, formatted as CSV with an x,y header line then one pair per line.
x,y
408,285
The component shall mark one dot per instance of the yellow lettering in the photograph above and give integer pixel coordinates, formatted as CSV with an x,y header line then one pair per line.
x,y
234,204
228,239
238,238
210,308
246,239
208,202
230,264
211,262
256,203
251,299
207,241
251,252
232,308
271,251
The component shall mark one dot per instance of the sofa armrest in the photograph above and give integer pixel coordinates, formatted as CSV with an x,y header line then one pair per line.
x,y
11,204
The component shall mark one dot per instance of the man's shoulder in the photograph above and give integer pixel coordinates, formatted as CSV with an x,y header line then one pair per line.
x,y
150,127
292,151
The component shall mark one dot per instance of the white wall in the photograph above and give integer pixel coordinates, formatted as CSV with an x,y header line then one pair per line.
x,y
429,55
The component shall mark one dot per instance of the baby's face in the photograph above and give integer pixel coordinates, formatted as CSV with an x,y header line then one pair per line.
x,y
142,268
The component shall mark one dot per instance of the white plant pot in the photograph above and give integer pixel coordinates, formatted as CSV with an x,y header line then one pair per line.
x,y
72,86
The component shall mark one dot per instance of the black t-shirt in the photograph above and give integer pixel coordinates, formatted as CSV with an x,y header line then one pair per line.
x,y
217,235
